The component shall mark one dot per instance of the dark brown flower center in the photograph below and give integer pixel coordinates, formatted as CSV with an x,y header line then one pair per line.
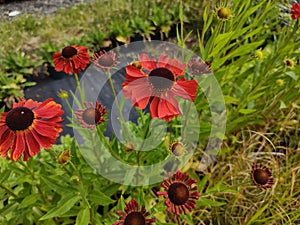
x,y
135,218
91,116
261,176
178,193
19,118
69,52
162,79
106,60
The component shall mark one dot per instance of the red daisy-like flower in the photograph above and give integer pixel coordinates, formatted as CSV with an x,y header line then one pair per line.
x,y
105,60
28,126
91,116
295,11
180,195
158,83
262,176
72,59
134,216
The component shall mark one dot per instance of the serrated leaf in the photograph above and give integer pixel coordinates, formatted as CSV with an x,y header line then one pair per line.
x,y
62,207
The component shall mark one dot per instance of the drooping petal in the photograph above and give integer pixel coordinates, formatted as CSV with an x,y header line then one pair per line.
x,y
186,89
18,150
32,145
154,107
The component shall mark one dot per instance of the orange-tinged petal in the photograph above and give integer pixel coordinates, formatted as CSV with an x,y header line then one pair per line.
x,y
19,148
32,145
45,142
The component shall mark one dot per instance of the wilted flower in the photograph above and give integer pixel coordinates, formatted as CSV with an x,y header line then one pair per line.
x,y
91,116
105,60
198,67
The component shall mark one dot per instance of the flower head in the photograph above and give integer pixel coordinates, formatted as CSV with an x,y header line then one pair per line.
x,y
63,94
197,67
91,116
72,59
295,11
134,216
105,60
223,13
180,195
28,126
259,54
289,63
178,148
261,176
64,157
158,83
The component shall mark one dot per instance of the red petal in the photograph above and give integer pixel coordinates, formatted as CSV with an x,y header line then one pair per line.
x,y
19,148
7,139
163,60
169,108
146,62
176,67
43,141
134,72
186,89
154,107
32,145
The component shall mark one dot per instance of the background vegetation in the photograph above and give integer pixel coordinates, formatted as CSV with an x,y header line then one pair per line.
x,y
248,53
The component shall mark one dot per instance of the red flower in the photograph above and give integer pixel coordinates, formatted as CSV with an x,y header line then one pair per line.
x,y
28,126
295,11
158,83
132,216
105,60
72,59
262,176
180,195
91,116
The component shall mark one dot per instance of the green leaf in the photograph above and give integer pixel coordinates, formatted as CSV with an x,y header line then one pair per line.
x,y
29,200
292,75
100,198
247,111
62,207
83,217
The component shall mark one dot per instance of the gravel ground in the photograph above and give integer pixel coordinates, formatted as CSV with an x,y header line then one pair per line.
x,y
12,9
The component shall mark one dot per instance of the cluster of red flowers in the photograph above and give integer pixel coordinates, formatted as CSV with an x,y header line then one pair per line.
x,y
295,11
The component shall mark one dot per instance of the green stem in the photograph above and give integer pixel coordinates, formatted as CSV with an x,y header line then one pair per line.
x,y
8,191
33,179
